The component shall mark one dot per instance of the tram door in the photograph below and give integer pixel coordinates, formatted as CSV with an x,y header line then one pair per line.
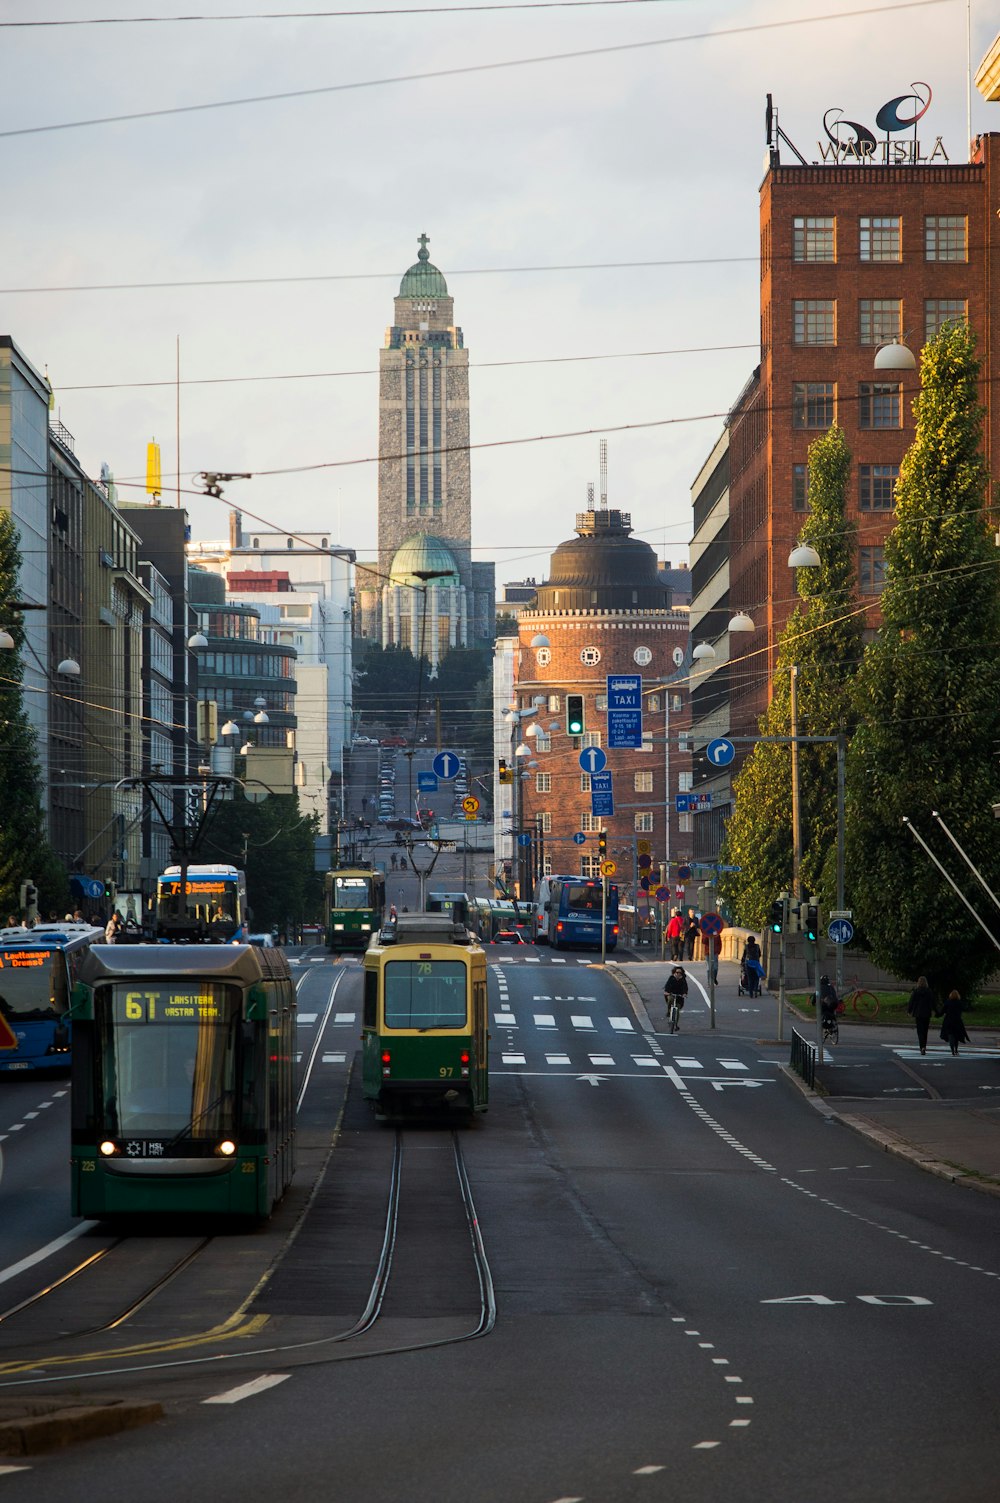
x,y
481,1035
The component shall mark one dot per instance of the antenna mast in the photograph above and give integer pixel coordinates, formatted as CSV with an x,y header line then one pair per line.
x,y
590,495
604,474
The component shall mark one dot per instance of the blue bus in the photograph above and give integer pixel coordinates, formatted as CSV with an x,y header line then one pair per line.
x,y
575,913
38,969
213,906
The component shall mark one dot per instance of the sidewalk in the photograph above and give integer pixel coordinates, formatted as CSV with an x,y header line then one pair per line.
x,y
956,1140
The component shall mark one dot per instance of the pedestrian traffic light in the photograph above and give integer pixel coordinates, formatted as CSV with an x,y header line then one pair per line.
x,y
779,913
602,844
812,921
574,714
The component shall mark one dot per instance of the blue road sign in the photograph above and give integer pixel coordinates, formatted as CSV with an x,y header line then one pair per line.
x,y
683,873
712,923
600,782
625,728
720,752
446,765
592,759
427,782
524,839
682,802
579,838
624,691
841,931
602,805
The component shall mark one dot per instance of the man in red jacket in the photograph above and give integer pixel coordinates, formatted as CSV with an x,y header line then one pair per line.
x,y
675,934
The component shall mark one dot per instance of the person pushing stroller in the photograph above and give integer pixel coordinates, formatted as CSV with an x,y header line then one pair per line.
x,y
751,969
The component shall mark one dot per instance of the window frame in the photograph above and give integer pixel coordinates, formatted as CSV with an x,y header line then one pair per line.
x,y
876,227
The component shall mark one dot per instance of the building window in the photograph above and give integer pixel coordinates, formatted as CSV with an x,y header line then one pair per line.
x,y
543,657
946,237
601,702
877,486
814,239
814,321
554,702
644,823
813,404
941,311
588,824
590,866
585,782
881,404
647,742
543,782
591,738
685,782
881,239
677,703
800,487
643,782
543,743
653,704
684,824
871,570
544,822
880,320
590,656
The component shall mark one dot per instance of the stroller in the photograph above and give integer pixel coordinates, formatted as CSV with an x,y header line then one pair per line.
x,y
751,975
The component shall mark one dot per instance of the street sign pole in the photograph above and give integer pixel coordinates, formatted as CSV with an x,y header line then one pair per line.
x,y
604,918
781,985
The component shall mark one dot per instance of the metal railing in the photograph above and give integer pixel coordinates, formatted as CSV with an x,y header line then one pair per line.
x,y
803,1058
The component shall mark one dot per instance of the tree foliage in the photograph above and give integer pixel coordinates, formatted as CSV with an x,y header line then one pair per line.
x,y
25,852
274,844
928,695
386,681
823,639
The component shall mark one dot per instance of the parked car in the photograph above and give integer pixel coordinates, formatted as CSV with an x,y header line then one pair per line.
x,y
508,937
266,941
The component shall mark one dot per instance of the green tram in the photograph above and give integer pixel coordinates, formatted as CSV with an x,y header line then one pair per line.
x,y
183,1081
424,1036
353,906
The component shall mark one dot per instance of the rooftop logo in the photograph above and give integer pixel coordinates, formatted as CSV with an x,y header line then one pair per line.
x,y
848,141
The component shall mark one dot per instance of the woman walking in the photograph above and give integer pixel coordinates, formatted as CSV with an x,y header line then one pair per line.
x,y
952,1028
922,1008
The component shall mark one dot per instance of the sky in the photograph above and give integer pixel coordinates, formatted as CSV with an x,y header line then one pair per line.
x,y
537,185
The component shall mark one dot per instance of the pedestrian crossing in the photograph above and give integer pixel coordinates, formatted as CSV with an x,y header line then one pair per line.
x,y
628,1060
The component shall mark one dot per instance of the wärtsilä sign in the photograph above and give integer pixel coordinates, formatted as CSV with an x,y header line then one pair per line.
x,y
849,142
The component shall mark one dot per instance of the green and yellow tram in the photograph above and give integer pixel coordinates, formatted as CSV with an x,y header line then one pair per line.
x,y
183,1081
424,1035
353,904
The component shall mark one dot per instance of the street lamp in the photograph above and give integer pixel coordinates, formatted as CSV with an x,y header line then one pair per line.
x,y
740,622
803,557
704,650
895,356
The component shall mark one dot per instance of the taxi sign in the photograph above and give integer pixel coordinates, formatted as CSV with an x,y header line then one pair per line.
x,y
608,868
470,804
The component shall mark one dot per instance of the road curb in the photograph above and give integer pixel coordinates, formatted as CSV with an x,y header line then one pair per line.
x,y
628,986
34,1434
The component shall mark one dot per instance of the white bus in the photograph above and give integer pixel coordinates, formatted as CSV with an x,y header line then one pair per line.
x,y
543,893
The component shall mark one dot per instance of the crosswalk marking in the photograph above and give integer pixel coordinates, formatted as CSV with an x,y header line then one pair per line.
x,y
582,1022
334,1059
544,1020
733,1064
308,1017
513,1059
557,1059
344,1017
601,1059
622,1025
688,1064
644,1059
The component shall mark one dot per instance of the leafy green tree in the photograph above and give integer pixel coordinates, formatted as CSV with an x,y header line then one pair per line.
x,y
928,695
274,844
24,848
822,638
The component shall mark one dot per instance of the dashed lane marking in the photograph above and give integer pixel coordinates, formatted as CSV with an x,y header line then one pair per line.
x,y
582,1022
247,1390
305,1018
621,1025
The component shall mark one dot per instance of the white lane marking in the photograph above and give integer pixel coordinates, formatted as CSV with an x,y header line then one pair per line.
x,y
644,1059
532,960
647,1471
557,1059
731,1378
541,999
716,1127
620,1025
15,1127
513,1059
733,1064
582,1022
247,1390
735,1424
344,1017
557,961
30,1116
334,1059
544,1020
46,1251
743,1398
688,1064
601,1059
43,1104
308,1017
60,1093
5,1469
706,1445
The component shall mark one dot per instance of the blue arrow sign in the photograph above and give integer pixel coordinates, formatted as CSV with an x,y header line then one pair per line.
x,y
427,782
592,759
446,765
579,838
841,931
682,802
524,839
720,752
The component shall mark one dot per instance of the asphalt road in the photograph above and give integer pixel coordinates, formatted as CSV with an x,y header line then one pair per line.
x,y
703,1288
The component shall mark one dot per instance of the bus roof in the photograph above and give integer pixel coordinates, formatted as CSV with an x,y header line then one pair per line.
x,y
50,934
218,962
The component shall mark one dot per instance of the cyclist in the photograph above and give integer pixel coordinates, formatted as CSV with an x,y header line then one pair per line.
x,y
674,993
829,1002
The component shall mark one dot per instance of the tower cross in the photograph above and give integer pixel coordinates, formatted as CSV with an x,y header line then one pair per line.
x,y
423,242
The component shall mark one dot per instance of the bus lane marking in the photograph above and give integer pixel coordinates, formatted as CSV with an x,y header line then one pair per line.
x,y
247,1390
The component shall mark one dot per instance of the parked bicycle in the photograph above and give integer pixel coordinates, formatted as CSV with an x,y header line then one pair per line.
x,y
864,1002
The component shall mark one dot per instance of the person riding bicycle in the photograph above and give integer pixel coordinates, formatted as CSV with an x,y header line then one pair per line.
x,y
676,989
829,1002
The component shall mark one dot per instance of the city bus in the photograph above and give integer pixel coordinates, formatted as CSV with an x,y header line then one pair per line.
x,y
575,905
38,969
213,906
353,906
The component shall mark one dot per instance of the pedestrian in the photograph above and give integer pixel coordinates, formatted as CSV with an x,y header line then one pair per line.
x,y
113,928
392,858
922,1006
692,929
952,1028
675,934
713,949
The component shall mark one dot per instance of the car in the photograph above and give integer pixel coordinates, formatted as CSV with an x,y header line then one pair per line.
x,y
508,937
265,941
393,740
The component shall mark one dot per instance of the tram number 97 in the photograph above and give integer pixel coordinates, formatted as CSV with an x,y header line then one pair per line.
x,y
446,1070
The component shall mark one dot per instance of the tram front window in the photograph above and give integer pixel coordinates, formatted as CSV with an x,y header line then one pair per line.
x,y
425,994
32,983
352,892
169,1055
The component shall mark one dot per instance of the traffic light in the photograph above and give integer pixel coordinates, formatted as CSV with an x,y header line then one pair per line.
x,y
574,714
812,921
779,913
794,919
602,844
506,773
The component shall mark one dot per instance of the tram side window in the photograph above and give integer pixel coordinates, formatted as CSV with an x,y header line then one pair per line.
x,y
370,1016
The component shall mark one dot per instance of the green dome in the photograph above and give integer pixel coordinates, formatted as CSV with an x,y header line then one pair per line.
x,y
422,555
423,279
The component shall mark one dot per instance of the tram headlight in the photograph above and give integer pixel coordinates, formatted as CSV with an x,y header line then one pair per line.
x,y
338,926
226,1148
109,1149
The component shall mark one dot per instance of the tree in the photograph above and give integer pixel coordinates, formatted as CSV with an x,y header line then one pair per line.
x,y
275,845
24,848
928,694
822,638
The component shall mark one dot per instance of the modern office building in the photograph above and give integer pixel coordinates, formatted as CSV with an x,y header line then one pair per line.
x,y
240,673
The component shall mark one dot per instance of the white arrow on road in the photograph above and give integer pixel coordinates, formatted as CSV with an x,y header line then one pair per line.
x,y
594,1079
720,1085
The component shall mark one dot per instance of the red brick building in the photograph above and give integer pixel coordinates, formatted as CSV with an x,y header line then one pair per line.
x,y
603,610
853,256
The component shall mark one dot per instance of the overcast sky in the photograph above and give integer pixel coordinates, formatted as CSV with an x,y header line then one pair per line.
x,y
652,154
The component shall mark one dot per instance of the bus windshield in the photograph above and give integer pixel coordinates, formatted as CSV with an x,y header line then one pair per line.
x,y
170,1059
425,994
351,892
32,982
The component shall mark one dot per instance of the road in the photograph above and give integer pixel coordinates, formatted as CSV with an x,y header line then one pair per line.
x,y
702,1288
